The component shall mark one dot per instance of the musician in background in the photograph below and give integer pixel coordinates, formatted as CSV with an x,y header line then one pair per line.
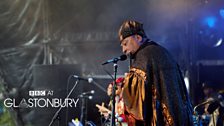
x,y
216,110
220,121
211,112
119,104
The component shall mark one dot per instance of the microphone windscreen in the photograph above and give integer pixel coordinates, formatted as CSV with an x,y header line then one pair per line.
x,y
123,57
212,107
90,80
92,91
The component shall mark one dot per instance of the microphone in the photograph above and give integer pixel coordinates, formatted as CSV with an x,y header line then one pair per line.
x,y
86,96
88,92
90,80
120,58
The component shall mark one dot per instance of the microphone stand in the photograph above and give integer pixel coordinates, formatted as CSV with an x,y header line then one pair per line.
x,y
113,95
56,115
84,111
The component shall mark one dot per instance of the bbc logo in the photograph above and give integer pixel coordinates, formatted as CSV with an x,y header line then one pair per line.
x,y
37,93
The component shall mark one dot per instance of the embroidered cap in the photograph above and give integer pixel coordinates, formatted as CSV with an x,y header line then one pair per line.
x,y
129,28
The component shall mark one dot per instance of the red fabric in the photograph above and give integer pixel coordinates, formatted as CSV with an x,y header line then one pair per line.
x,y
120,80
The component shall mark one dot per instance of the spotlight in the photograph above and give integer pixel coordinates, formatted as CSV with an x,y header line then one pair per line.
x,y
219,42
210,21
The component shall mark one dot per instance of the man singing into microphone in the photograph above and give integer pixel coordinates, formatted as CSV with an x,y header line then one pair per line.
x,y
154,92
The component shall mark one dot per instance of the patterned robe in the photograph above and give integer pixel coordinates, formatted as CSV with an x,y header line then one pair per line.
x,y
154,91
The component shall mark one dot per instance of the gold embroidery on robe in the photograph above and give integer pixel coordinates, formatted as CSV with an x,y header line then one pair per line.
x,y
134,95
134,92
154,98
166,114
139,72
